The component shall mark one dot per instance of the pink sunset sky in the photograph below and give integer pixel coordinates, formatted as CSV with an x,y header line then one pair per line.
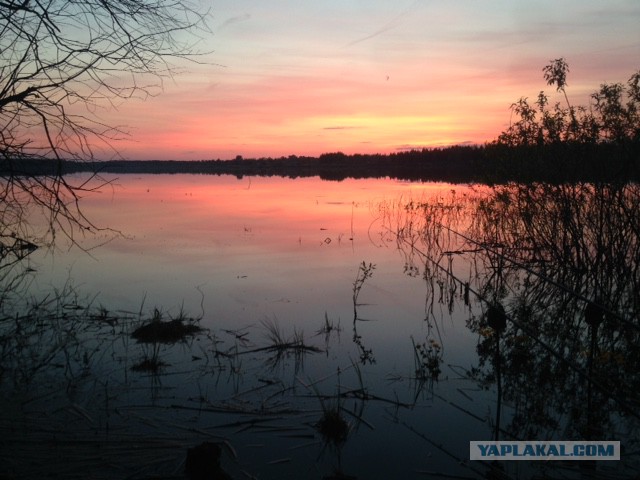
x,y
363,76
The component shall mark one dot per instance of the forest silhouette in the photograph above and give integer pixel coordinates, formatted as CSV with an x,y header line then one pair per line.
x,y
559,143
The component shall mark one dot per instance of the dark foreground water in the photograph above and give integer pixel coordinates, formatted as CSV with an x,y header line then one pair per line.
x,y
367,328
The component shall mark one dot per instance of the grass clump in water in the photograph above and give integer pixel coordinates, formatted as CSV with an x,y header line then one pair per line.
x,y
150,364
168,332
332,425
158,332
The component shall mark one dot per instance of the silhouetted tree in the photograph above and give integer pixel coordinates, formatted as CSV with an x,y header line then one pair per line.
x,y
60,62
614,115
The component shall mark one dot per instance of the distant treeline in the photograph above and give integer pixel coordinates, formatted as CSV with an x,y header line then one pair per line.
x,y
491,163
544,142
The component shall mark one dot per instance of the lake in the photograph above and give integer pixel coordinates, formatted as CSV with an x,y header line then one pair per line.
x,y
362,329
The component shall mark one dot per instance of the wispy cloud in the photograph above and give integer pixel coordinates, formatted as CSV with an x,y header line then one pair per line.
x,y
408,148
234,20
390,25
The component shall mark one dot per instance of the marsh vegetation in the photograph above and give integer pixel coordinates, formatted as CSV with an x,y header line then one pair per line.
x,y
508,311
555,268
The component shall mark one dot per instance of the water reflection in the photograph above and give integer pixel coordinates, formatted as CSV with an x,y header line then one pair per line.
x,y
435,315
555,269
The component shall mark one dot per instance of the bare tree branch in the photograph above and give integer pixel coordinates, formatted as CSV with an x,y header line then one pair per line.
x,y
59,58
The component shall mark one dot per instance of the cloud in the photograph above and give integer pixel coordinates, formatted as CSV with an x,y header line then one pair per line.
x,y
408,148
339,127
390,25
233,20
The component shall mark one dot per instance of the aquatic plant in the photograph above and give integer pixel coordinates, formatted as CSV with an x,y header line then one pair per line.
x,y
282,345
329,326
327,329
365,272
150,361
427,359
332,425
156,332
171,331
278,340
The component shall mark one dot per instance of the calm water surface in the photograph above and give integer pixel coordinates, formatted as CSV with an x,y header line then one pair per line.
x,y
243,251
409,362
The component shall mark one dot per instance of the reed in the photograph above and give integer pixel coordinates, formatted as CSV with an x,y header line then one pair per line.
x,y
365,272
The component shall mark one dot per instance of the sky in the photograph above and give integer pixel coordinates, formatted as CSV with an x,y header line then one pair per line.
x,y
295,77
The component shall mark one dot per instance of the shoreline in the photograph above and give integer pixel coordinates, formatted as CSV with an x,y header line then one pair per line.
x,y
459,164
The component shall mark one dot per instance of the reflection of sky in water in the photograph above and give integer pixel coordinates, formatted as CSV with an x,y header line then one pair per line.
x,y
256,248
259,246
288,251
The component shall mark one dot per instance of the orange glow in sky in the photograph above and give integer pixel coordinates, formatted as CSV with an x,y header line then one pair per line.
x,y
305,78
